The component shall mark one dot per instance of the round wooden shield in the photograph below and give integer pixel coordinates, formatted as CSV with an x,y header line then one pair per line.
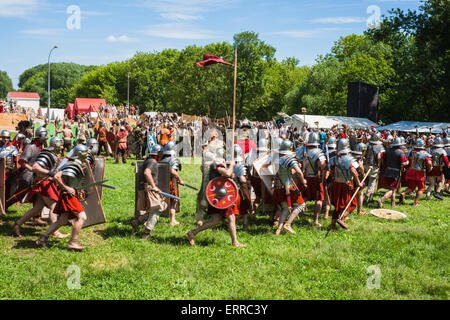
x,y
387,214
221,192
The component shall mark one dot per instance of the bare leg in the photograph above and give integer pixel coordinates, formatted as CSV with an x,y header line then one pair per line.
x,y
317,210
283,216
76,228
215,220
294,214
231,219
418,195
42,241
172,216
37,208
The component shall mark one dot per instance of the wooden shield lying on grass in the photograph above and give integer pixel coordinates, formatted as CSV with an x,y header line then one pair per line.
x,y
388,214
93,203
2,185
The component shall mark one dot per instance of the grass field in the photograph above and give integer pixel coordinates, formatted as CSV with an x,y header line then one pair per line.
x,y
412,256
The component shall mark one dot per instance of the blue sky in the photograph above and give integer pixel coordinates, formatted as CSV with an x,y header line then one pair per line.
x,y
114,30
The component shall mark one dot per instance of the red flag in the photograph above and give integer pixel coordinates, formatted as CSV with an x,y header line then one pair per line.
x,y
209,59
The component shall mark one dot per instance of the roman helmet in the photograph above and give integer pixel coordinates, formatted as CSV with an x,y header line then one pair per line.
x,y
80,152
55,143
419,144
397,142
331,143
41,134
313,139
5,134
168,149
92,145
286,147
343,146
438,143
155,150
376,138
360,149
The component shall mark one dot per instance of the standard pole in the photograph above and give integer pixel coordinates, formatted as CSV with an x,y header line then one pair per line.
x,y
48,106
234,100
128,91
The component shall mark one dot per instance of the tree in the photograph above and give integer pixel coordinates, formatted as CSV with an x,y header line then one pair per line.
x,y
5,84
63,77
421,50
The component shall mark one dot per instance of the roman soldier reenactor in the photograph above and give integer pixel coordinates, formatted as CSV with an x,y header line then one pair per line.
x,y
330,152
420,161
218,168
150,200
436,176
44,192
286,191
358,154
392,162
169,156
344,168
68,206
244,202
314,163
374,152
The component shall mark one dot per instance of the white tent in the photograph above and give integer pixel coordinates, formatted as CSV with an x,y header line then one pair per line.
x,y
327,122
55,114
410,126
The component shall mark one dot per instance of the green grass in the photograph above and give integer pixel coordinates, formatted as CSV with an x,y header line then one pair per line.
x,y
412,254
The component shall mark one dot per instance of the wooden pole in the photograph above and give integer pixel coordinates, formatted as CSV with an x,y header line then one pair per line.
x,y
354,195
234,99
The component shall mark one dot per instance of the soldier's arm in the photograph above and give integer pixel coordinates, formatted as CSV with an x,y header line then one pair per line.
x,y
323,170
299,173
355,177
58,179
177,176
36,168
150,181
228,173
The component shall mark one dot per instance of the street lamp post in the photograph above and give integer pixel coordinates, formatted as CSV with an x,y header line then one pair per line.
x,y
128,89
48,108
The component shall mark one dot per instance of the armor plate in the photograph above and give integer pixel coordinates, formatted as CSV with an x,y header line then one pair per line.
x,y
342,170
438,159
47,159
287,163
419,159
312,155
373,151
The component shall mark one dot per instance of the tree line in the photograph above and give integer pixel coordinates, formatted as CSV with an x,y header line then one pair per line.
x,y
407,57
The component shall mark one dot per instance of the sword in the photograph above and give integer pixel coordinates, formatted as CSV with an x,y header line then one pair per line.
x,y
98,183
167,195
191,187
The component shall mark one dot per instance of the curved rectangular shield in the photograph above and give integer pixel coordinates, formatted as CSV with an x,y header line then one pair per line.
x,y
93,204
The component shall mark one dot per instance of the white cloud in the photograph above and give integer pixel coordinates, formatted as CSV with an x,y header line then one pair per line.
x,y
186,9
123,38
339,20
180,16
303,33
178,31
18,8
43,32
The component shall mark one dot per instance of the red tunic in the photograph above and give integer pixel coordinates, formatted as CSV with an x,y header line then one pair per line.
x,y
340,195
314,191
46,189
415,179
69,204
279,196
